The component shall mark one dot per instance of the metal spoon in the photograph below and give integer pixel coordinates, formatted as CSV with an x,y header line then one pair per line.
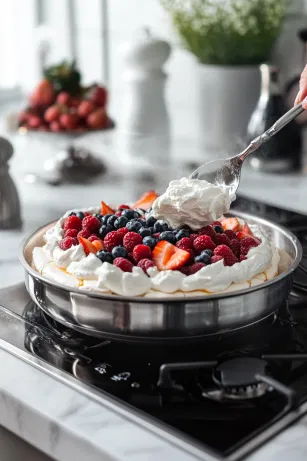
x,y
226,173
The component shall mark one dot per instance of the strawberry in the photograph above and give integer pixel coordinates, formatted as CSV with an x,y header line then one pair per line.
x,y
63,98
207,230
98,244
246,244
247,230
146,200
203,242
242,235
52,114
168,257
98,95
105,209
88,246
85,108
97,119
230,224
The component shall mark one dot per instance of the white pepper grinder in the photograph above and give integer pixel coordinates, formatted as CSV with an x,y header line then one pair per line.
x,y
10,215
144,127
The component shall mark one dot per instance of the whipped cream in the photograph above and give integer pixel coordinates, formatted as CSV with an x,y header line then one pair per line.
x,y
191,202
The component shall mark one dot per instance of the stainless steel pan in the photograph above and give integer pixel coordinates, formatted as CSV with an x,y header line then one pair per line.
x,y
163,319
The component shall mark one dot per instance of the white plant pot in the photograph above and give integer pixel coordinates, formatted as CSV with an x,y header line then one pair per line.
x,y
227,98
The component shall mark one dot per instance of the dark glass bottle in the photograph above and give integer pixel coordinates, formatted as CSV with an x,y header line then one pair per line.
x,y
283,152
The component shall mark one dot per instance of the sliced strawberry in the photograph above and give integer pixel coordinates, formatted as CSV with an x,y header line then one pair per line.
x,y
242,235
88,246
105,209
98,244
247,230
168,257
146,200
230,224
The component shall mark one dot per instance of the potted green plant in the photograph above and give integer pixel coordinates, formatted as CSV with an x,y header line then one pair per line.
x,y
230,39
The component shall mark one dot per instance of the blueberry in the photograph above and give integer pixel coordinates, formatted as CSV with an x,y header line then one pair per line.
x,y
129,214
145,232
104,230
120,222
119,252
150,221
72,214
80,214
133,226
208,252
150,242
181,234
168,236
104,256
218,229
203,258
160,226
111,220
105,218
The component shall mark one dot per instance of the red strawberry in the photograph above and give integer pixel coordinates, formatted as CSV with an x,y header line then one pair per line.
x,y
247,230
242,235
69,121
131,239
168,257
141,252
52,114
221,239
105,209
146,200
72,222
71,233
231,234
98,244
207,230
91,223
203,242
87,245
85,233
98,95
68,242
230,224
227,255
195,268
215,259
236,247
246,244
145,264
63,98
111,240
123,264
184,243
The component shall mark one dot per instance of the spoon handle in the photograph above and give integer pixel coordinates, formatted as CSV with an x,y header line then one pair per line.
x,y
278,125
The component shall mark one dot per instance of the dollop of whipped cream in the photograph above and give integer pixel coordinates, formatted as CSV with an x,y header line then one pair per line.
x,y
191,202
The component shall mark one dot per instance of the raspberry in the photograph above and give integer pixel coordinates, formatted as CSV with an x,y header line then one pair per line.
x,y
118,213
71,233
215,259
243,258
195,268
207,230
124,207
203,242
68,242
193,237
192,255
221,239
141,252
131,258
230,260
73,222
227,255
156,235
216,223
231,234
123,264
145,264
85,233
185,270
111,240
131,239
246,244
91,223
93,237
235,246
184,243
121,233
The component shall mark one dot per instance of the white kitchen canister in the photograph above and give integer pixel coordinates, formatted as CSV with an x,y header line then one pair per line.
x,y
143,126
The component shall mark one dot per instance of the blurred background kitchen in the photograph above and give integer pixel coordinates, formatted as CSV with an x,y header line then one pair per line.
x,y
165,85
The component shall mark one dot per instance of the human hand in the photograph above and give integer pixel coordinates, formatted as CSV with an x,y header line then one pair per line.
x,y
302,94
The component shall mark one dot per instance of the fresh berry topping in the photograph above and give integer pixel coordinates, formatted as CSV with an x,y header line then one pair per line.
x,y
150,242
124,207
73,222
88,246
131,239
123,264
119,252
160,226
184,243
246,244
120,222
130,214
131,258
111,240
215,259
221,239
202,242
105,209
134,226
156,235
231,234
104,219
209,252
80,214
118,213
235,246
168,257
227,255
121,233
145,232
243,258
230,224
68,242
104,256
183,233
193,237
150,221
93,237
196,267
185,270
141,252
91,223
168,236
145,264
98,244
104,230
218,229
192,255
247,230
85,233
71,233
207,230
146,200
216,223
111,220
203,258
